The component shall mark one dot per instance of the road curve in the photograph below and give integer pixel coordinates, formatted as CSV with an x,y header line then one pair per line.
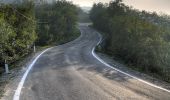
x,y
71,72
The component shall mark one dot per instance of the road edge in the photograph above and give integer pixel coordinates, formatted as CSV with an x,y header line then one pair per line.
x,y
132,76
30,66
22,81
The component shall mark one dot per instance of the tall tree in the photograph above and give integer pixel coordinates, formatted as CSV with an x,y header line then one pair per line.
x,y
138,38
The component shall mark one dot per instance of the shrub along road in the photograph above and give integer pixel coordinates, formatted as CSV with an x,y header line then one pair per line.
x,y
71,72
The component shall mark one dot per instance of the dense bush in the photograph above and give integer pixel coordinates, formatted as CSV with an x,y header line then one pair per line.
x,y
138,38
57,22
23,24
17,33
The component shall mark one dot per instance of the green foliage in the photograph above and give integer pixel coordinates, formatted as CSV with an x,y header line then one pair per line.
x,y
60,19
24,23
17,33
139,38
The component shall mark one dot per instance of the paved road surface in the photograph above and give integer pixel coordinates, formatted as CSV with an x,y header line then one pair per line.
x,y
70,72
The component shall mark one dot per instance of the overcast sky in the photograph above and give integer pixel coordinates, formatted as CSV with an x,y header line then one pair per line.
x,y
149,5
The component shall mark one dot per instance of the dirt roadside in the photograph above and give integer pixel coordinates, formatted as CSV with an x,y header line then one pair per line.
x,y
124,68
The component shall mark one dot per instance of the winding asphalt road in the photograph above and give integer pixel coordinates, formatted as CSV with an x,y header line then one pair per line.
x,y
71,72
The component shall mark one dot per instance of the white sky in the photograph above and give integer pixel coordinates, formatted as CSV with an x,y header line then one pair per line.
x,y
149,5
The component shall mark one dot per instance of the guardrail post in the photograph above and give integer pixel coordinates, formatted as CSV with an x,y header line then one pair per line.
x,y
6,67
34,48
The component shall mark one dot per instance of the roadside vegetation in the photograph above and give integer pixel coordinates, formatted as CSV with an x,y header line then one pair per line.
x,y
17,33
24,24
56,22
141,39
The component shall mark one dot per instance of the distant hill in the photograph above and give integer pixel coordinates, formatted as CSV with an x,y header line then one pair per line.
x,y
19,1
86,9
7,1
84,15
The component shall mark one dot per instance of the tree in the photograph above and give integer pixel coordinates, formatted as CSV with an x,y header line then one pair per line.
x,y
61,17
17,32
138,38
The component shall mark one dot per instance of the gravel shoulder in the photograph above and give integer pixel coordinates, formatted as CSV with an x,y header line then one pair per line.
x,y
122,67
